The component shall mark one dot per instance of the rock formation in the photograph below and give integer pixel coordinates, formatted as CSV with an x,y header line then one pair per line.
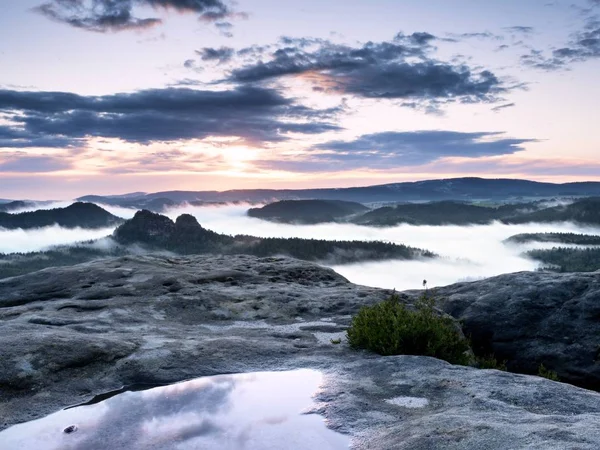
x,y
71,333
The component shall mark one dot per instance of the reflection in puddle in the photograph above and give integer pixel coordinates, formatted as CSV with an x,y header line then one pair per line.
x,y
227,412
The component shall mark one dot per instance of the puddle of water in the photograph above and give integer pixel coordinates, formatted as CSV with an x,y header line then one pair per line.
x,y
228,412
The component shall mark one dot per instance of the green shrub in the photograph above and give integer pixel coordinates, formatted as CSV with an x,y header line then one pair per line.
x,y
490,362
390,328
547,373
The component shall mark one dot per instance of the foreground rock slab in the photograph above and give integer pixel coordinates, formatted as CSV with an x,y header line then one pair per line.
x,y
68,334
533,318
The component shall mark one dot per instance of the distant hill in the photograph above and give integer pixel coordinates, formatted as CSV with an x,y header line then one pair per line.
x,y
462,189
584,211
307,211
83,215
15,205
187,236
435,213
149,203
560,259
559,238
132,201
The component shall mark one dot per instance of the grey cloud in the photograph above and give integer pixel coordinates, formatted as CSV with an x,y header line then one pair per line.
x,y
520,29
391,149
476,35
253,51
537,59
255,115
225,28
222,55
11,137
24,163
418,38
186,82
118,15
168,406
400,69
501,107
294,60
583,45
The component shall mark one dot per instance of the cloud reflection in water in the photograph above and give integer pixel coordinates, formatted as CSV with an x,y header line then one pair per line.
x,y
228,412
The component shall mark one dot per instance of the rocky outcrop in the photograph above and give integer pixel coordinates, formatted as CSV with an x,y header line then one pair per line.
x,y
186,236
533,318
145,227
71,333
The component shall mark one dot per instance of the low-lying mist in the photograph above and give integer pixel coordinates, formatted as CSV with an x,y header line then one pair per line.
x,y
23,241
466,253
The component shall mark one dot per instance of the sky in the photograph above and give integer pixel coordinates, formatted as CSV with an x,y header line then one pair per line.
x,y
116,96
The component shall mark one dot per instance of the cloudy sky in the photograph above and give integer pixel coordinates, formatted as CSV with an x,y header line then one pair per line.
x,y
115,96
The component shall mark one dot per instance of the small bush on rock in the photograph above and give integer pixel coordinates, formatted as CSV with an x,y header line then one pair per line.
x,y
390,328
547,373
490,362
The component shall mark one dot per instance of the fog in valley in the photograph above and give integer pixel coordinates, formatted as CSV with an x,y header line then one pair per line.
x,y
23,241
466,253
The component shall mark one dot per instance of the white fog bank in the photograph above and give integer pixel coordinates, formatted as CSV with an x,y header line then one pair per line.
x,y
466,253
36,239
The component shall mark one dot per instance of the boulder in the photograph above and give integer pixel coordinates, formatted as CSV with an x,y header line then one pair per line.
x,y
533,318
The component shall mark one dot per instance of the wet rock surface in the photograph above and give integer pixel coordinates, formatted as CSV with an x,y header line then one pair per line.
x,y
68,334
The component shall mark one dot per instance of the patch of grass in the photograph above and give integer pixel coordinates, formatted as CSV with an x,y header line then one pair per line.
x,y
547,373
390,328
490,362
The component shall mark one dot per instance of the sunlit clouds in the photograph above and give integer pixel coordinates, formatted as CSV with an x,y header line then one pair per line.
x,y
213,95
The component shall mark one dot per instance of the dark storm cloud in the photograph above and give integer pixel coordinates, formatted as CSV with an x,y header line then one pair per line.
x,y
400,69
117,15
222,55
255,115
396,149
